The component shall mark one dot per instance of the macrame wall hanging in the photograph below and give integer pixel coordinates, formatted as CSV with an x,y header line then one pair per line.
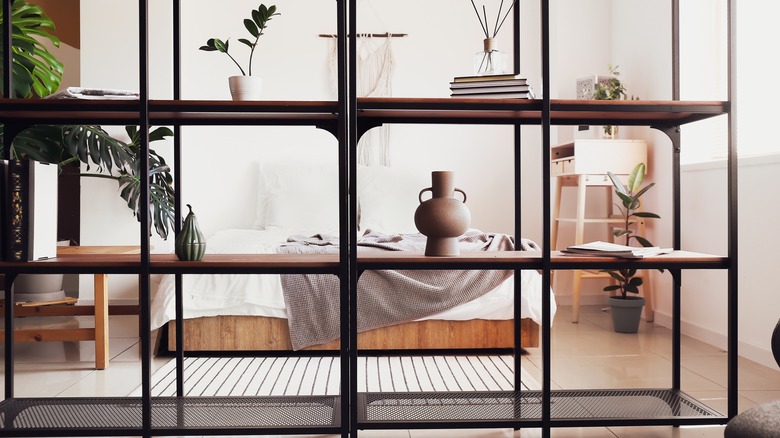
x,y
375,65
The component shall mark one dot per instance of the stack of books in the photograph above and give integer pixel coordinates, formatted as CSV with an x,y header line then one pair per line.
x,y
608,249
493,86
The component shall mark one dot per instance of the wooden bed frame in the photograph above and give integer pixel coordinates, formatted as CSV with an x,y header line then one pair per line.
x,y
236,333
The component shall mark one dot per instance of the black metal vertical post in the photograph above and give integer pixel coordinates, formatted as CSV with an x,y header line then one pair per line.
x,y
546,126
675,49
9,297
7,53
144,273
347,28
517,214
674,135
177,185
733,229
9,336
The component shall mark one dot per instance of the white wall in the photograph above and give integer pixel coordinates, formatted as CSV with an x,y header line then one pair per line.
x,y
294,63
634,34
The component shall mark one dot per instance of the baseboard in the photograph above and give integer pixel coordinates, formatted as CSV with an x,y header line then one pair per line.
x,y
748,351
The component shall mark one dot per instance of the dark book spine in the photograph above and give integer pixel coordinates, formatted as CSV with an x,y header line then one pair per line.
x,y
3,208
18,211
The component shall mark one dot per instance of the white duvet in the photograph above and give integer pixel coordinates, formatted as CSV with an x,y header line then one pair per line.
x,y
261,295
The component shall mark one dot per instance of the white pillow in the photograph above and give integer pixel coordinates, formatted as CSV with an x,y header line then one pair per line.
x,y
388,198
302,197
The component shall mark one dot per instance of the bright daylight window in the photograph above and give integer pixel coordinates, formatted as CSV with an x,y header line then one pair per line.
x,y
703,76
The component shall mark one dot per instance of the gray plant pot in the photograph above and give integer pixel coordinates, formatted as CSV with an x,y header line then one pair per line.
x,y
38,287
626,313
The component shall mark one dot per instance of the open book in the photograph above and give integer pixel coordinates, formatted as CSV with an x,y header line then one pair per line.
x,y
607,249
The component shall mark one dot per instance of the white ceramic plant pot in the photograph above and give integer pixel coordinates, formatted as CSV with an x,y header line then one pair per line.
x,y
245,87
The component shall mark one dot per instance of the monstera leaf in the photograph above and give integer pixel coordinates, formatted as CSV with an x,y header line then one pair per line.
x,y
114,158
35,70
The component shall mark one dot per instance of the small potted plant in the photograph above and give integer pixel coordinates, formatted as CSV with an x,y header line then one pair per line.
x,y
245,86
610,89
627,309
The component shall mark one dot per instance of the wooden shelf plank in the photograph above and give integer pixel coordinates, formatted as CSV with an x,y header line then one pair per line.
x,y
563,112
371,110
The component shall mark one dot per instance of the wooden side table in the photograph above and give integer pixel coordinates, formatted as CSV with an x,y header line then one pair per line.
x,y
100,310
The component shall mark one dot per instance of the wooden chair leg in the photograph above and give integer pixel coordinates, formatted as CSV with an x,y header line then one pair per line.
x,y
101,321
556,203
579,236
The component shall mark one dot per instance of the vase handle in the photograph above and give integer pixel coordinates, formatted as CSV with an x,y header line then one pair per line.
x,y
462,193
428,189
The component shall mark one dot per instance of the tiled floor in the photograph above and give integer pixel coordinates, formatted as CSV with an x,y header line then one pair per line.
x,y
584,355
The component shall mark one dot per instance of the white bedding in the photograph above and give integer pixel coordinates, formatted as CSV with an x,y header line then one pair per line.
x,y
261,295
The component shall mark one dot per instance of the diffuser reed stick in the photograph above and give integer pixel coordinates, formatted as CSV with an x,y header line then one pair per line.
x,y
483,20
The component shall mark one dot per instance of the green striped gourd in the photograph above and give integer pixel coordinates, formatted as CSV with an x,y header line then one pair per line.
x,y
190,244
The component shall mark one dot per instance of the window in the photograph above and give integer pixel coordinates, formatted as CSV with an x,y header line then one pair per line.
x,y
703,76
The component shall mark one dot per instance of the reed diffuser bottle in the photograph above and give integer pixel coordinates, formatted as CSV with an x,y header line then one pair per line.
x,y
490,61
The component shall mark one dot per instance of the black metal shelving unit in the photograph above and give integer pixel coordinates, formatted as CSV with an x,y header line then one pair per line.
x,y
549,408
347,119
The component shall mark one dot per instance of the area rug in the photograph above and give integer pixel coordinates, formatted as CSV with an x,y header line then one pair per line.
x,y
264,376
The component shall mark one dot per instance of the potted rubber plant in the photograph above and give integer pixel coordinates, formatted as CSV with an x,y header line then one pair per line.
x,y
626,307
246,86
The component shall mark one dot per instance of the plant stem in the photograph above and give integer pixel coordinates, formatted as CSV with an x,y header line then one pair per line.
x,y
99,175
252,51
243,73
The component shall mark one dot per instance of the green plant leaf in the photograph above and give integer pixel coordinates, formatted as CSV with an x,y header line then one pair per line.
x,y
627,200
92,142
619,187
620,233
246,42
631,288
251,27
611,287
220,45
43,72
40,143
617,275
642,241
635,177
646,214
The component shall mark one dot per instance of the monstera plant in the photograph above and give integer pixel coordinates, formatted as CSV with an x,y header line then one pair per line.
x,y
37,73
35,69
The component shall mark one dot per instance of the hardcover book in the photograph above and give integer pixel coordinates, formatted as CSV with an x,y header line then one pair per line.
x,y
31,206
486,78
4,219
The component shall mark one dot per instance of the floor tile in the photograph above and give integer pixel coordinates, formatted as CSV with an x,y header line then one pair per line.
x,y
588,354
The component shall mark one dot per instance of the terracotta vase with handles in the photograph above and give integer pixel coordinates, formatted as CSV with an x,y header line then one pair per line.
x,y
442,218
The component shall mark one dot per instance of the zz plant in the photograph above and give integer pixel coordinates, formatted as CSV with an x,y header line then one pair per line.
x,y
255,25
629,207
37,73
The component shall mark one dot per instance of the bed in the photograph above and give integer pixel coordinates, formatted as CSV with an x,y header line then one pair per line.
x,y
253,312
